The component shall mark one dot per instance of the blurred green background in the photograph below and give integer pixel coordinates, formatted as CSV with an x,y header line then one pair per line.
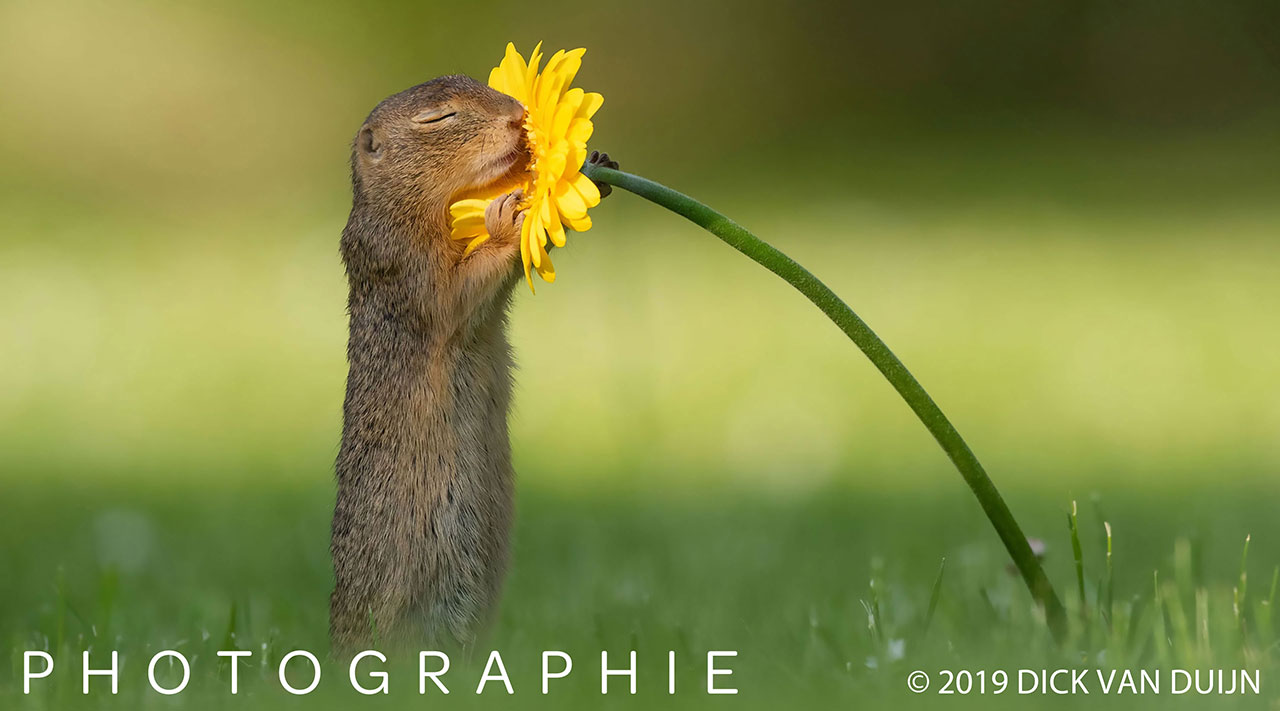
x,y
1063,217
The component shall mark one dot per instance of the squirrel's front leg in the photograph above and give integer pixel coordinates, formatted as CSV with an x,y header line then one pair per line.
x,y
492,267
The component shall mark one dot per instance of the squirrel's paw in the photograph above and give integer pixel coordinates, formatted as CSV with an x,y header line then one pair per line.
x,y
503,217
602,160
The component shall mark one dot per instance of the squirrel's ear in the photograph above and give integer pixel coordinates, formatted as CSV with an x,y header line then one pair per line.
x,y
369,143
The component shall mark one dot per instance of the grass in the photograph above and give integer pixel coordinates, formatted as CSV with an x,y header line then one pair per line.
x,y
831,599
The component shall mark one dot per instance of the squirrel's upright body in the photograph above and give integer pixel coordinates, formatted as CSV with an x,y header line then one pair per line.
x,y
424,501
425,485
424,470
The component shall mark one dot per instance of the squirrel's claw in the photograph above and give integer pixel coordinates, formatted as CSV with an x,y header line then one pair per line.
x,y
503,216
604,161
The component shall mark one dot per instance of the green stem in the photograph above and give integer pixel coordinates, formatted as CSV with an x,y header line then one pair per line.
x,y
875,349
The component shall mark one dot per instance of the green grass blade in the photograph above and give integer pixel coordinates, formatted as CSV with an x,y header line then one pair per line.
x,y
1077,551
934,596
1275,578
1240,594
1108,603
1264,621
1160,629
229,639
1244,567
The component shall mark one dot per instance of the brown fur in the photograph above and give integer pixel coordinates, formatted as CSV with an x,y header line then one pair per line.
x,y
425,484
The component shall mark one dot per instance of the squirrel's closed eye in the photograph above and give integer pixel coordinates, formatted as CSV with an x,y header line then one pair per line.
x,y
433,116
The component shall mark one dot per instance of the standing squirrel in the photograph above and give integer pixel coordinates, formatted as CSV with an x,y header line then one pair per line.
x,y
425,482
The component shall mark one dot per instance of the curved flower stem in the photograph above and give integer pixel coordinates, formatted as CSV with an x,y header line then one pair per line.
x,y
875,349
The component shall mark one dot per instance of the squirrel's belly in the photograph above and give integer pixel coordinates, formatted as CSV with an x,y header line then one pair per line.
x,y
425,491
463,555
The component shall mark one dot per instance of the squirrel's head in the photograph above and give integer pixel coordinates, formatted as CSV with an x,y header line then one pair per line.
x,y
435,143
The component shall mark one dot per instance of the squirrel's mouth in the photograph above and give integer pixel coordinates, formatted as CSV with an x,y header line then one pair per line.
x,y
507,168
516,160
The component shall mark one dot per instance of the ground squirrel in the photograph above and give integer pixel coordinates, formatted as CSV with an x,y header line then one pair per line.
x,y
425,483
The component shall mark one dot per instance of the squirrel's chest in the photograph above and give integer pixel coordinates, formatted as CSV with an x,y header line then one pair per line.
x,y
463,388
423,413
458,408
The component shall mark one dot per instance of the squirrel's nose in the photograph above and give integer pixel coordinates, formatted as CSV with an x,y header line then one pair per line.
x,y
516,117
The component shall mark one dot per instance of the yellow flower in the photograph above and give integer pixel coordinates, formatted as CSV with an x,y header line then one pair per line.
x,y
557,125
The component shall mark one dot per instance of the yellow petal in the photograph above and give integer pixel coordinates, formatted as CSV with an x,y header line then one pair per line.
x,y
539,248
547,80
556,162
462,208
515,77
474,243
547,271
531,78
570,63
468,220
557,232
591,103
565,112
581,225
467,230
546,217
509,76
570,201
537,236
561,70
580,129
587,189
525,257
469,234
512,54
573,161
